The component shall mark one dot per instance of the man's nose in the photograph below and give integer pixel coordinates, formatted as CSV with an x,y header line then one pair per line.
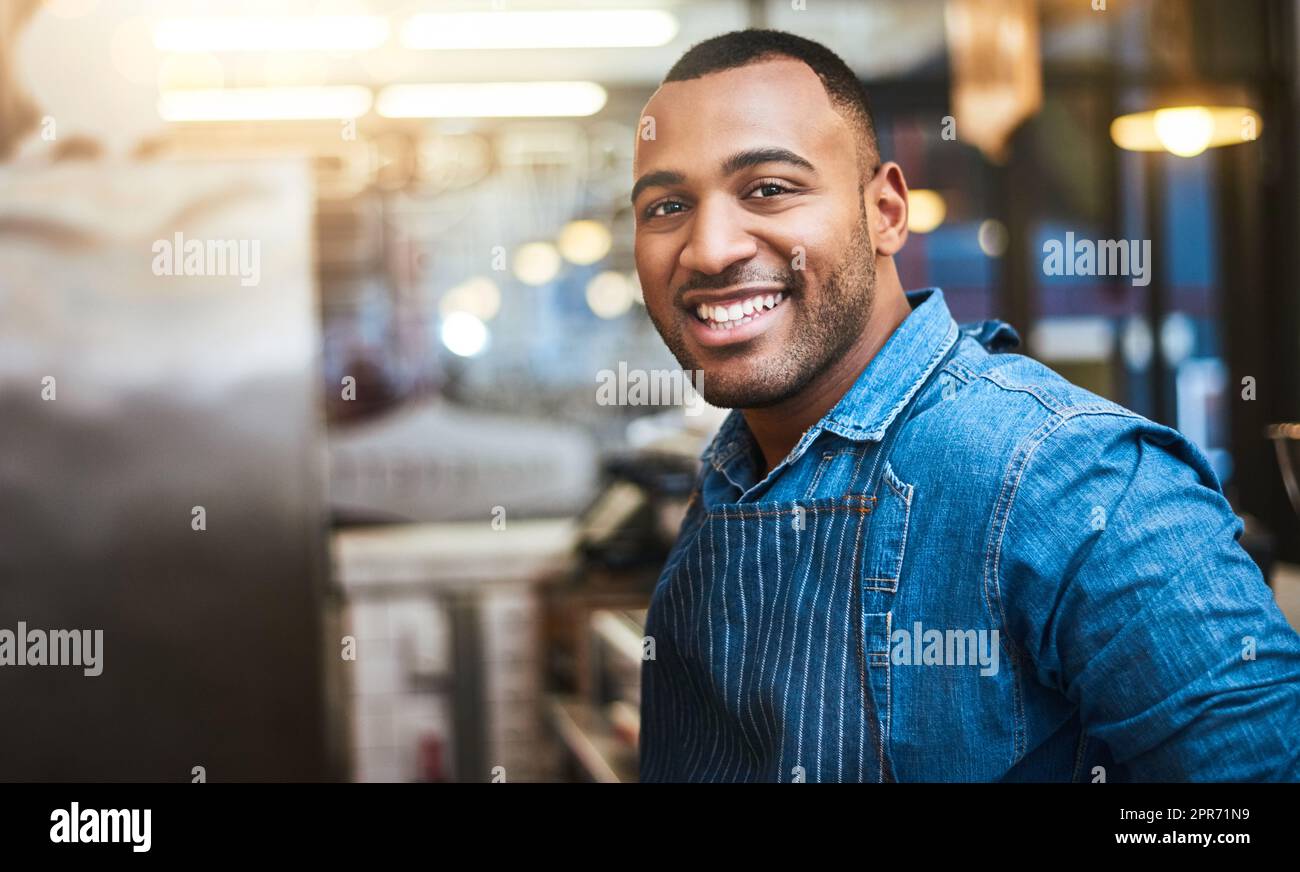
x,y
718,239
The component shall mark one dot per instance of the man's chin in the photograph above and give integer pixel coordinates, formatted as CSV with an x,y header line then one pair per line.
x,y
750,375
727,389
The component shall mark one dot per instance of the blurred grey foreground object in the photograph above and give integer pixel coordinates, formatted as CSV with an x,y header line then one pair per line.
x,y
128,399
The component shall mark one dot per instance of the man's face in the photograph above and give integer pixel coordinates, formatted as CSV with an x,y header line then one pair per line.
x,y
750,197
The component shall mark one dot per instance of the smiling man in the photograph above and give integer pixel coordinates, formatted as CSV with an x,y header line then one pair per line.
x,y
909,554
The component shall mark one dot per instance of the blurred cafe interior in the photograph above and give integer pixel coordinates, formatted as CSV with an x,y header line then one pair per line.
x,y
345,501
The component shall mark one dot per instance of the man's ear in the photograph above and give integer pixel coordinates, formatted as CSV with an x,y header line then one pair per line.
x,y
886,195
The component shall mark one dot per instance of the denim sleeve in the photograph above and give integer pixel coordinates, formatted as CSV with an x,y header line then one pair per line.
x,y
1115,563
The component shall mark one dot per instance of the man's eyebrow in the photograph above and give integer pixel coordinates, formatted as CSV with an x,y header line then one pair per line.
x,y
773,154
659,177
739,161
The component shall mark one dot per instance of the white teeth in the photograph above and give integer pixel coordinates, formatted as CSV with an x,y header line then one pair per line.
x,y
726,317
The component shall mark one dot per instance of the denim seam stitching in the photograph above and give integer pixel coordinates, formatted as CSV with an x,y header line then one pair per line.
x,y
817,475
961,371
907,518
1024,455
1052,405
880,654
889,692
1078,757
1001,514
827,456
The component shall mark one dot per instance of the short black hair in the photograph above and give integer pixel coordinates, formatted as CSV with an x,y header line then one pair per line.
x,y
743,47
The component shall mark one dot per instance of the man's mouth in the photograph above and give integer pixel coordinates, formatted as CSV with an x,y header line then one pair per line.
x,y
730,314
735,321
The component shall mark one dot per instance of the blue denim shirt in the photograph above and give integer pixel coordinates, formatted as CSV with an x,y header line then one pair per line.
x,y
969,569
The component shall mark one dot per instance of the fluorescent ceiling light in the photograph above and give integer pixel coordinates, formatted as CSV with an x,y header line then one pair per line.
x,y
491,100
299,33
265,104
597,28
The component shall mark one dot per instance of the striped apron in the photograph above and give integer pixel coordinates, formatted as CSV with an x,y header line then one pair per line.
x,y
768,638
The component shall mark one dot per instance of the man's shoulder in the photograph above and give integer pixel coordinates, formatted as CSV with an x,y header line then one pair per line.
x,y
1014,381
992,403
989,415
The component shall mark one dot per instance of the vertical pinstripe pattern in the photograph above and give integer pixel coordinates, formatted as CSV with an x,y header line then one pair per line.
x,y
754,696
712,671
806,659
775,687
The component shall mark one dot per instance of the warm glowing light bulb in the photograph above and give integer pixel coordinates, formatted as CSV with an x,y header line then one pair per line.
x,y
1185,131
925,210
479,297
609,294
584,242
536,263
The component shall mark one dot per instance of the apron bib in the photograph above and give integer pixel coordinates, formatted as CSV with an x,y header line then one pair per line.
x,y
771,630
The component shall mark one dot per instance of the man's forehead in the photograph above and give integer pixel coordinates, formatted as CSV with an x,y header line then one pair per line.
x,y
764,80
781,98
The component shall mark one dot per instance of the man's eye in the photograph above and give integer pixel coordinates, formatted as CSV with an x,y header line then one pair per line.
x,y
662,208
769,189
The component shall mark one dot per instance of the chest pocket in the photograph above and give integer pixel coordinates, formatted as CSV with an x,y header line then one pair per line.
x,y
882,554
880,542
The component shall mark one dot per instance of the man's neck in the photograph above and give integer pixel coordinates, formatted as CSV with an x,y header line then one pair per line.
x,y
777,429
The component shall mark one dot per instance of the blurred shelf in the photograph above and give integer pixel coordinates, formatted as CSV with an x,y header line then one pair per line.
x,y
621,634
591,742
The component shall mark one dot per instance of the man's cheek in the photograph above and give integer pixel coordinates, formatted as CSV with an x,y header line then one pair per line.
x,y
661,313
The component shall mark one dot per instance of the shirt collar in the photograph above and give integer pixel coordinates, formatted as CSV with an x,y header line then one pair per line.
x,y
883,389
897,371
